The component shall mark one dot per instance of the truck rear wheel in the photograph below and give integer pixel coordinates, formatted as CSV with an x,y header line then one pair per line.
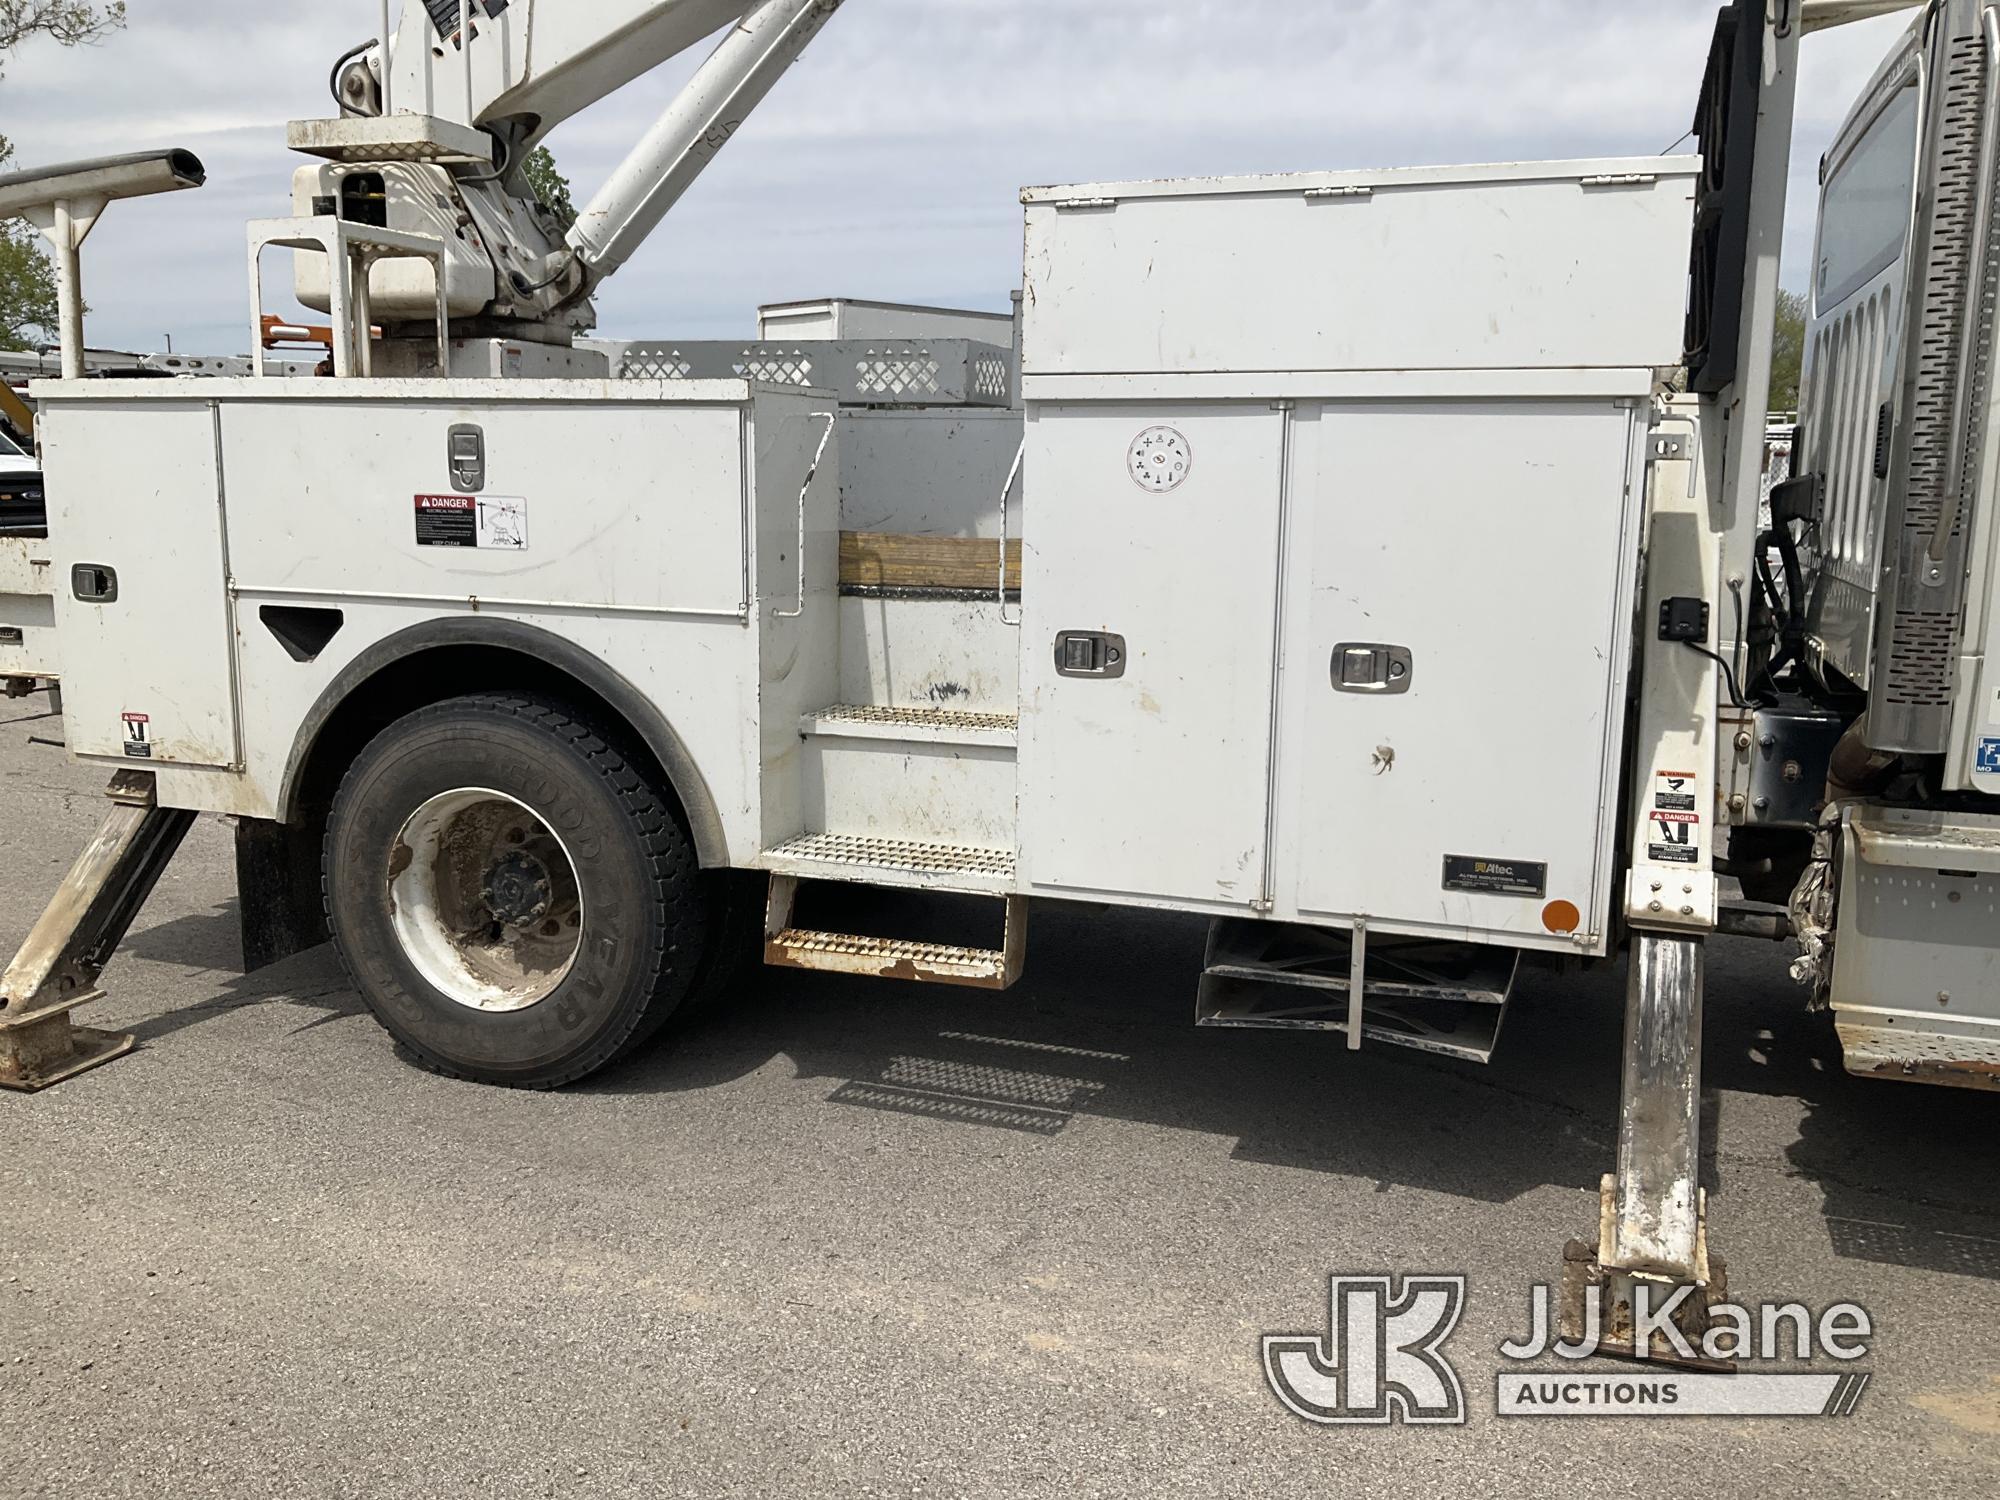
x,y
515,901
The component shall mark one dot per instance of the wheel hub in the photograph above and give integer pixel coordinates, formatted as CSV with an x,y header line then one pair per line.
x,y
484,900
517,889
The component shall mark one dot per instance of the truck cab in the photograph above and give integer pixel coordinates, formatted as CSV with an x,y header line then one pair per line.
x,y
1874,582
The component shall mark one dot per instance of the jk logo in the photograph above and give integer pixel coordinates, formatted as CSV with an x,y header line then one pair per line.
x,y
1382,1362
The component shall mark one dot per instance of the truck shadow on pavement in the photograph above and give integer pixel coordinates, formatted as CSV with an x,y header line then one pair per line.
x,y
212,941
1102,1026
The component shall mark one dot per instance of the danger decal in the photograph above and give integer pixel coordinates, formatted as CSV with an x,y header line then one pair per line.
x,y
490,522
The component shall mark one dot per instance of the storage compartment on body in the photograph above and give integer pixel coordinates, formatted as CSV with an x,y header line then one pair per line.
x,y
1529,265
1334,542
140,579
27,608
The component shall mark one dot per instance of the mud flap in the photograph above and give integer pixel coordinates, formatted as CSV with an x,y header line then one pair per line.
x,y
278,904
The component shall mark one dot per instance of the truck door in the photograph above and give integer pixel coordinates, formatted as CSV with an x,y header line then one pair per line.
x,y
142,602
1149,577
1454,634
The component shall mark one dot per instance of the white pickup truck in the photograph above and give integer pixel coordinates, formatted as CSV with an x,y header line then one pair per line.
x,y
21,504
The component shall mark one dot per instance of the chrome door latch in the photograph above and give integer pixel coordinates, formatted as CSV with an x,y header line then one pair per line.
x,y
1360,668
1090,653
466,451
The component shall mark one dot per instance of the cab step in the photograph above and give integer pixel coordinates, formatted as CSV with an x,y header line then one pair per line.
x,y
874,859
789,947
1435,996
937,726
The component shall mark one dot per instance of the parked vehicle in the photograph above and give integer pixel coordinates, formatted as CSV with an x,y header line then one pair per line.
x,y
1285,565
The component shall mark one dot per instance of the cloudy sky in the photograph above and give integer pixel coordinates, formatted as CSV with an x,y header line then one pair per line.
x,y
886,165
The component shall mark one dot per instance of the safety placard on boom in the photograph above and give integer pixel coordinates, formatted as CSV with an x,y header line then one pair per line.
x,y
499,522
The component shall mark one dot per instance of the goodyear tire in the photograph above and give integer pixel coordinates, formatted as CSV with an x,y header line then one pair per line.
x,y
515,901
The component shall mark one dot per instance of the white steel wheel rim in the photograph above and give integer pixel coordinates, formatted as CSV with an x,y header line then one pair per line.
x,y
484,900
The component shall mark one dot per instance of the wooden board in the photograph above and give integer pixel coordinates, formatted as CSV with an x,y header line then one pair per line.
x,y
881,559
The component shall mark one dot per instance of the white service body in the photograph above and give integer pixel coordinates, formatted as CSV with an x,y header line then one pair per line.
x,y
1399,429
1464,485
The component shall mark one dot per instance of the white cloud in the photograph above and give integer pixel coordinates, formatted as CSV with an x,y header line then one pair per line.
x,y
887,164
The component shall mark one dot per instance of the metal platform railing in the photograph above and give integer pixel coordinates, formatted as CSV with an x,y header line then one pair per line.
x,y
859,372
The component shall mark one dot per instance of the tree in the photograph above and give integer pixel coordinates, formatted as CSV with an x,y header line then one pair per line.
x,y
27,276
27,279
547,183
72,23
1788,351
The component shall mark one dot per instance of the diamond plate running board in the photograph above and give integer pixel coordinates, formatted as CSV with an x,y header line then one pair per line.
x,y
789,947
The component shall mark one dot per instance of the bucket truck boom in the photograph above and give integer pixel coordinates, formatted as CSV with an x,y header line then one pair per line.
x,y
436,128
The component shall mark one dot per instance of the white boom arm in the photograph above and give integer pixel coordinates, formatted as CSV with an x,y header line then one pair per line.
x,y
539,61
698,124
1818,15
531,64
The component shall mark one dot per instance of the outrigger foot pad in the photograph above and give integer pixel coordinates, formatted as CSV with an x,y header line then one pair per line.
x,y
57,968
1602,1304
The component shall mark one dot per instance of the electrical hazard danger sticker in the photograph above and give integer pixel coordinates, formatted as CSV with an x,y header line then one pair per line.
x,y
138,736
1676,838
492,522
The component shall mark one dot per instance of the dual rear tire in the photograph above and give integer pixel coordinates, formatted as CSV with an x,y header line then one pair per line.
x,y
513,896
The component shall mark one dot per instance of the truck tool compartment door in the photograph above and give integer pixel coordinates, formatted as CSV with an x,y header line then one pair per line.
x,y
1154,536
142,605
1454,628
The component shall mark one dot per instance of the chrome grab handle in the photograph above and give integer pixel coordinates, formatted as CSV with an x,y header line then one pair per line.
x,y
1013,478
805,489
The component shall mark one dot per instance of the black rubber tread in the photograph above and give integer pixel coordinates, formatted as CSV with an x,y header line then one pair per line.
x,y
679,895
735,933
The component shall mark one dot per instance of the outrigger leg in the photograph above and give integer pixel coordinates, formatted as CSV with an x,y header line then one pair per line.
x,y
1652,1239
56,970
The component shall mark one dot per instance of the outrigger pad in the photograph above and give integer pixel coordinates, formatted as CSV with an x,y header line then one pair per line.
x,y
1584,1274
45,1048
58,964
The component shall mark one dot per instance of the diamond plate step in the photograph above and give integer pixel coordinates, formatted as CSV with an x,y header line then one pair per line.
x,y
789,947
869,860
862,721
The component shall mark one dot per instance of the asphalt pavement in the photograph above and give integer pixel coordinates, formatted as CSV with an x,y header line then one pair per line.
x,y
868,1239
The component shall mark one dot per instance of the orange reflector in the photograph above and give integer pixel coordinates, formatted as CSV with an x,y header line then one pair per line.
x,y
1562,916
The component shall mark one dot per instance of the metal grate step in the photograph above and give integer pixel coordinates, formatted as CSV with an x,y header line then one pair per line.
x,y
934,725
388,138
1435,996
871,860
789,947
888,958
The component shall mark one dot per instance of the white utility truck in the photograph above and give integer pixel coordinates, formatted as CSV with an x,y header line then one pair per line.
x,y
1334,556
